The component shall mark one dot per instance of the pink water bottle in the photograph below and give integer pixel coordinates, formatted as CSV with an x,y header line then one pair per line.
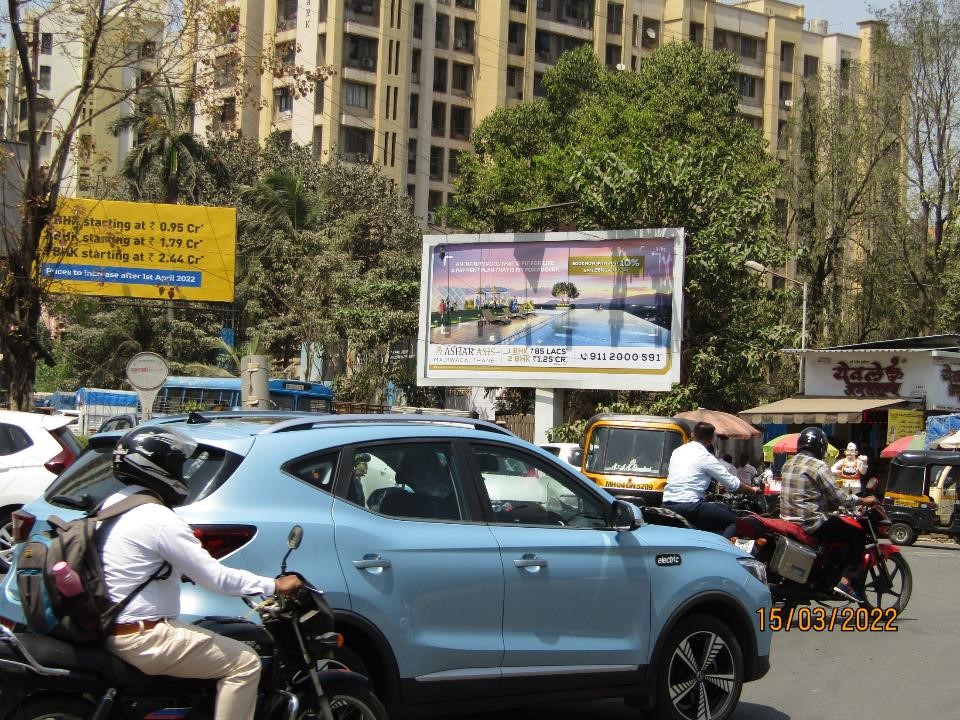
x,y
67,580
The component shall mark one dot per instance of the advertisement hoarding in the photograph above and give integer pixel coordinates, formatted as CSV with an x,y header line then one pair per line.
x,y
556,310
142,250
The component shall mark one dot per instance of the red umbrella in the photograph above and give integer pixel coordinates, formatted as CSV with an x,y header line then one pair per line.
x,y
910,442
727,425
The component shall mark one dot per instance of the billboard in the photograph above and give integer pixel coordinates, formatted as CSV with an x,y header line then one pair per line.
x,y
141,250
581,310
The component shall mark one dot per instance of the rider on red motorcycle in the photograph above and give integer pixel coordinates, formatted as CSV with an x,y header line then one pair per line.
x,y
810,493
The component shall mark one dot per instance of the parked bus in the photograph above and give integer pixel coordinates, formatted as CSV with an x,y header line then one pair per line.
x,y
214,393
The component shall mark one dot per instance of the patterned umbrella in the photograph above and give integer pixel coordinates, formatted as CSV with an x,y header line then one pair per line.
x,y
787,445
908,442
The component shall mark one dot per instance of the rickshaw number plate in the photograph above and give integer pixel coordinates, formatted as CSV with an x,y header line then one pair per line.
x,y
744,544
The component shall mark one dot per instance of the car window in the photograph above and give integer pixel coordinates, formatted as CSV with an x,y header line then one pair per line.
x,y
13,439
634,451
407,480
317,470
90,479
526,490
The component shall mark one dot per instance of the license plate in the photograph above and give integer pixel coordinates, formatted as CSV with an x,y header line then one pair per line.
x,y
744,544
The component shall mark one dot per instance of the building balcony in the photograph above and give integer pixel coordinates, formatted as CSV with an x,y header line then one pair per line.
x,y
368,63
365,12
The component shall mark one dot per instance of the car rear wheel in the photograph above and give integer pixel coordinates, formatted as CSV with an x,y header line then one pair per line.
x,y
902,534
6,540
54,708
701,671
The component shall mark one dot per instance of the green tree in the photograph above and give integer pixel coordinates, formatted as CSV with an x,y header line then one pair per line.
x,y
664,147
167,151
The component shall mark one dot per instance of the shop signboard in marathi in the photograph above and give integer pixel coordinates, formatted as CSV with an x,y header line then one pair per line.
x,y
141,250
556,310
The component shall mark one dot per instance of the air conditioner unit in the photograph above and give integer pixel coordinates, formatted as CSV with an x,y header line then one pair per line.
x,y
788,103
366,63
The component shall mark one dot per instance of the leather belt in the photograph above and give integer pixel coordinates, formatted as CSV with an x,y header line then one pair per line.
x,y
134,627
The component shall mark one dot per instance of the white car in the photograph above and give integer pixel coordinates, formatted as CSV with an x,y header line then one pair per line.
x,y
570,453
34,449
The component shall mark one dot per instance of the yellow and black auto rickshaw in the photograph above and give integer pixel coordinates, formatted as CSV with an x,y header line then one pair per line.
x,y
921,495
629,454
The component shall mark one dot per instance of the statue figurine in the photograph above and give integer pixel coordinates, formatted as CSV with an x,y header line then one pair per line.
x,y
850,469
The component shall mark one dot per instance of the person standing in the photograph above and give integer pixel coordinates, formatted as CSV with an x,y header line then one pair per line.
x,y
728,464
746,472
692,468
808,496
443,311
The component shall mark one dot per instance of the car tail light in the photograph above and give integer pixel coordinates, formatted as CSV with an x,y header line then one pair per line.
x,y
63,459
23,523
221,540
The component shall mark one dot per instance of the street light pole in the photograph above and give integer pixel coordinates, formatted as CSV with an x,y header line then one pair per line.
x,y
762,269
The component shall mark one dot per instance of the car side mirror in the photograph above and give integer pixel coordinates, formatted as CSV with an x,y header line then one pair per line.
x,y
625,517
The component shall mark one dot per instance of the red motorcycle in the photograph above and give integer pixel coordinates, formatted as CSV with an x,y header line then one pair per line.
x,y
801,568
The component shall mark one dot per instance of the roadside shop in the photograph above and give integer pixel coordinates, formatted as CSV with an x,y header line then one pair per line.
x,y
870,394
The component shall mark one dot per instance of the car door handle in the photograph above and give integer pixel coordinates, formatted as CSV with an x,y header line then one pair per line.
x,y
530,560
372,562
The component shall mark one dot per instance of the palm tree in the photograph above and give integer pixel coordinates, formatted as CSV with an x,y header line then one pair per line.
x,y
283,203
165,142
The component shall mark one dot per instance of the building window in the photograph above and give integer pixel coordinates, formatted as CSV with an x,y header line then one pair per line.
x,y
415,66
287,52
286,15
434,200
318,91
538,89
357,144
748,47
438,120
283,100
783,135
811,66
46,43
460,122
462,78
440,75
747,84
786,93
614,53
650,36
148,49
696,33
463,35
442,35
44,77
356,95
362,53
418,20
453,163
614,18
436,163
411,155
786,57
414,109
516,37
845,65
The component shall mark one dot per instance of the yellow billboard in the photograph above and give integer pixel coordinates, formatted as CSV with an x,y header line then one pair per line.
x,y
141,250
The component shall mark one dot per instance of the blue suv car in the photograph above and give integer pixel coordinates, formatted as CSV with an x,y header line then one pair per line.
x,y
468,568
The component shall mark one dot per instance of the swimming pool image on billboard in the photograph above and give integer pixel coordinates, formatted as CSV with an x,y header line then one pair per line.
x,y
612,328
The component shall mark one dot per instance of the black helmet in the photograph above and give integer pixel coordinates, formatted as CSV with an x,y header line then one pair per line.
x,y
153,457
814,441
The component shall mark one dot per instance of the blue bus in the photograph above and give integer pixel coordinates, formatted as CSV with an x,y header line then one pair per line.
x,y
214,393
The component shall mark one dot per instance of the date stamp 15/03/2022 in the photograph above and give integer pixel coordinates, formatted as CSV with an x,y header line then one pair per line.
x,y
827,619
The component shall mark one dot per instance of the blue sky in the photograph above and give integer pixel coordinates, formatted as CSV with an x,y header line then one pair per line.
x,y
843,15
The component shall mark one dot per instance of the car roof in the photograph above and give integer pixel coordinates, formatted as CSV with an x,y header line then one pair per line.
x,y
35,420
237,431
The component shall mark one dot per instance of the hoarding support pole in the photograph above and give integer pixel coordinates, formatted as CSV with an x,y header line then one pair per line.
x,y
547,412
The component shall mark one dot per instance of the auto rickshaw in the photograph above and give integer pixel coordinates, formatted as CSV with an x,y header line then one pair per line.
x,y
629,454
921,495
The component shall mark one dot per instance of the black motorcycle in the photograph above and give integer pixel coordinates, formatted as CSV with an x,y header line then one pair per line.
x,y
42,678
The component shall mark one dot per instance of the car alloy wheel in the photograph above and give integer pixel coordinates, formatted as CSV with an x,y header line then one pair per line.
x,y
703,672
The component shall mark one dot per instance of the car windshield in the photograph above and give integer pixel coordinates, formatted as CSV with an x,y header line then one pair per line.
x,y
90,480
905,479
633,451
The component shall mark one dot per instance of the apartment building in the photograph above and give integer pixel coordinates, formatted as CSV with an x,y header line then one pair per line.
x,y
58,54
413,78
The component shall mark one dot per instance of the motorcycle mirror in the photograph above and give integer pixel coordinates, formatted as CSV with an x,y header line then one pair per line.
x,y
295,536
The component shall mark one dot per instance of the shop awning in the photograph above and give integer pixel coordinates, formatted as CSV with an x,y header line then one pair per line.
x,y
816,410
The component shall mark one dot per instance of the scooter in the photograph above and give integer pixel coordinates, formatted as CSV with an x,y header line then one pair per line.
x,y
42,678
801,569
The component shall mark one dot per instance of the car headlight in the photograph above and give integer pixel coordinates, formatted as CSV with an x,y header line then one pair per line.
x,y
754,567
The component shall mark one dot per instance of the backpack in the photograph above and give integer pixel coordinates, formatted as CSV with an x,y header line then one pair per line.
x,y
89,616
